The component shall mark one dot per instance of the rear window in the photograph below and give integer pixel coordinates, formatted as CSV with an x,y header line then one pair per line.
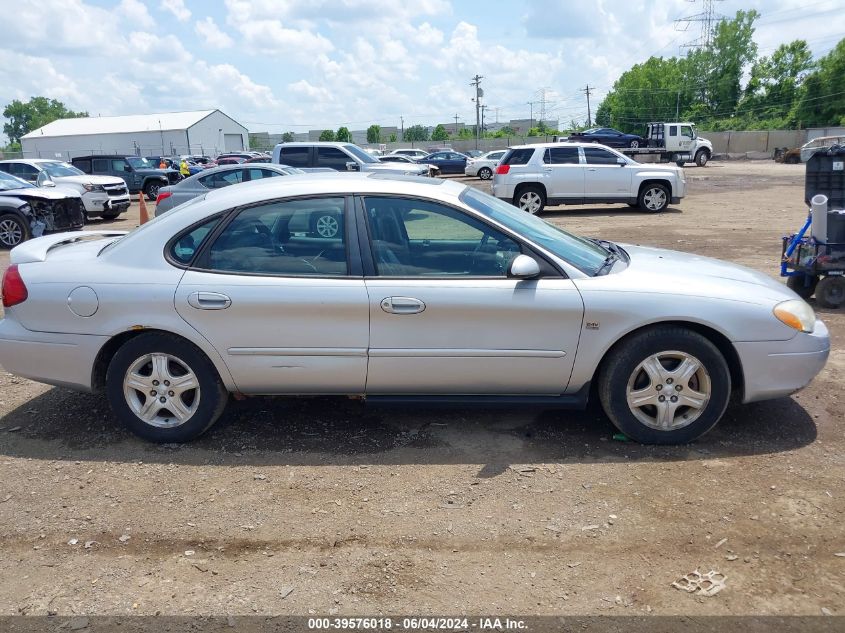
x,y
518,156
84,165
294,156
562,156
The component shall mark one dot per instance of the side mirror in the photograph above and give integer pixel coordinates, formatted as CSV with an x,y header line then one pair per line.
x,y
44,180
621,162
127,168
353,166
523,267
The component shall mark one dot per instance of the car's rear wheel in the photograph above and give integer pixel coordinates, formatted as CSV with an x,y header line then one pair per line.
x,y
666,385
701,157
151,189
802,284
634,144
654,198
830,292
485,173
531,199
13,230
164,389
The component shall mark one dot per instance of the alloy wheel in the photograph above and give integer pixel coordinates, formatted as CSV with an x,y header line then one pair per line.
x,y
161,390
668,390
11,233
654,199
530,201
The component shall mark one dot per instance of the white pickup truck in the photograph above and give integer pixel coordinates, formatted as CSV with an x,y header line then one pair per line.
x,y
549,174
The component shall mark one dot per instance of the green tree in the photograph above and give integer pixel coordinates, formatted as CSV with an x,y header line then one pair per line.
x,y
416,133
343,135
288,137
327,135
466,132
733,49
393,137
822,101
439,133
37,112
374,134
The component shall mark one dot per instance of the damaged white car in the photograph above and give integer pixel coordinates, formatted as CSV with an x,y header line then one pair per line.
x,y
27,211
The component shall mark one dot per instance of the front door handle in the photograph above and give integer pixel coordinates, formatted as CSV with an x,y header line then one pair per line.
x,y
402,305
209,301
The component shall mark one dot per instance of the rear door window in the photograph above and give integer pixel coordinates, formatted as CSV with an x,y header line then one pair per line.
x,y
84,165
185,247
599,156
332,157
518,156
101,165
295,156
562,156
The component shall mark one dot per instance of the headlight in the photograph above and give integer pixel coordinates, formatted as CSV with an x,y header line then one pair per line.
x,y
91,187
796,314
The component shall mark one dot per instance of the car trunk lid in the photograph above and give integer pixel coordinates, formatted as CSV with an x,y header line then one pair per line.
x,y
38,249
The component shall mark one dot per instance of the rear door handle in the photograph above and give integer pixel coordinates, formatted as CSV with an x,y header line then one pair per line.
x,y
402,305
209,301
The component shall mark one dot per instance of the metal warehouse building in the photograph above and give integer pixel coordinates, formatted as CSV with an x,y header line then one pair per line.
x,y
167,134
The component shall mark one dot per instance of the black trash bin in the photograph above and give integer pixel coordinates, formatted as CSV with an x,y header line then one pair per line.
x,y
826,175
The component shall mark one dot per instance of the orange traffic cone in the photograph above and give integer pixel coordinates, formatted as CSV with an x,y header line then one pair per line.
x,y
145,217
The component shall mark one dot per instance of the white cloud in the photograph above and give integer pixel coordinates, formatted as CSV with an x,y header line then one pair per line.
x,y
177,8
211,34
136,14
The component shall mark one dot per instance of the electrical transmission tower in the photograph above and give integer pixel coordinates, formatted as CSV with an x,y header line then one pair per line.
x,y
708,18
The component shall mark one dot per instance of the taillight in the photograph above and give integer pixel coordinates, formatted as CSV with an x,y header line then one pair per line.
x,y
162,195
502,169
14,289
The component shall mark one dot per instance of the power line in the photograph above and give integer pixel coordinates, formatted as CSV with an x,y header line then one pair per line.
x,y
707,18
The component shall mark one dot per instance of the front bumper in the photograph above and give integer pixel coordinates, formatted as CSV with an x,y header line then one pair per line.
x,y
97,203
65,360
773,369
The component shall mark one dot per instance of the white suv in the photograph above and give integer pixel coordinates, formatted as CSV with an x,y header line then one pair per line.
x,y
102,196
549,174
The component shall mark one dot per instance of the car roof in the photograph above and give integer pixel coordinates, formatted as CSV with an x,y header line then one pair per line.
x,y
323,183
559,144
312,143
33,161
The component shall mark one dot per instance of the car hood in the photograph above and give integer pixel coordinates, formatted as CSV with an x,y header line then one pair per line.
x,y
41,193
656,270
86,179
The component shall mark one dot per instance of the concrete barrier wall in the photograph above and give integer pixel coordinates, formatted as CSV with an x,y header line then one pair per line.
x,y
754,142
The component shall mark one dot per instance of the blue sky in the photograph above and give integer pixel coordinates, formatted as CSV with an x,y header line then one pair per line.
x,y
290,65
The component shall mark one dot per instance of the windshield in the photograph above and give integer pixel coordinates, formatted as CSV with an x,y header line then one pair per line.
x,y
360,154
61,169
7,181
139,163
585,255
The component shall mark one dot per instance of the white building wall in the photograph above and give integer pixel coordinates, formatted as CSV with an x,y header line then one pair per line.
x,y
143,143
207,135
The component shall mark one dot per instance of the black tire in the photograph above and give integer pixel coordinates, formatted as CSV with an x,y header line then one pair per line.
x,y
13,230
211,392
701,157
792,159
800,286
151,189
830,292
531,199
485,173
680,163
111,215
653,198
623,369
633,205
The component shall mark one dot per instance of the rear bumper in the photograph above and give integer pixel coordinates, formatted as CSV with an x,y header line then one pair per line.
x,y
502,190
773,369
64,360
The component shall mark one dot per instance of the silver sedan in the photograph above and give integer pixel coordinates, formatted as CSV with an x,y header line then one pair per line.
x,y
216,178
429,291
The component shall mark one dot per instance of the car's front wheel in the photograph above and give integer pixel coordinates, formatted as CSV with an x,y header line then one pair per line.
x,y
665,385
151,189
13,230
531,199
164,389
654,198
634,144
485,173
701,157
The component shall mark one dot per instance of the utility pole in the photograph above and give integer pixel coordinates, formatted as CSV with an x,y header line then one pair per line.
x,y
456,124
531,120
677,104
402,122
476,81
483,108
497,115
589,114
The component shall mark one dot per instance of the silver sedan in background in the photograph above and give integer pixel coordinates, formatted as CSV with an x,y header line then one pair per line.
x,y
216,178
429,291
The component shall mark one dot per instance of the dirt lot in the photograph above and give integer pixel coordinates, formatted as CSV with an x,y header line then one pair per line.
x,y
327,507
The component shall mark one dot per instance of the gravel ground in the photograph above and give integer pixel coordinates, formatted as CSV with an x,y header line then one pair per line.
x,y
325,506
